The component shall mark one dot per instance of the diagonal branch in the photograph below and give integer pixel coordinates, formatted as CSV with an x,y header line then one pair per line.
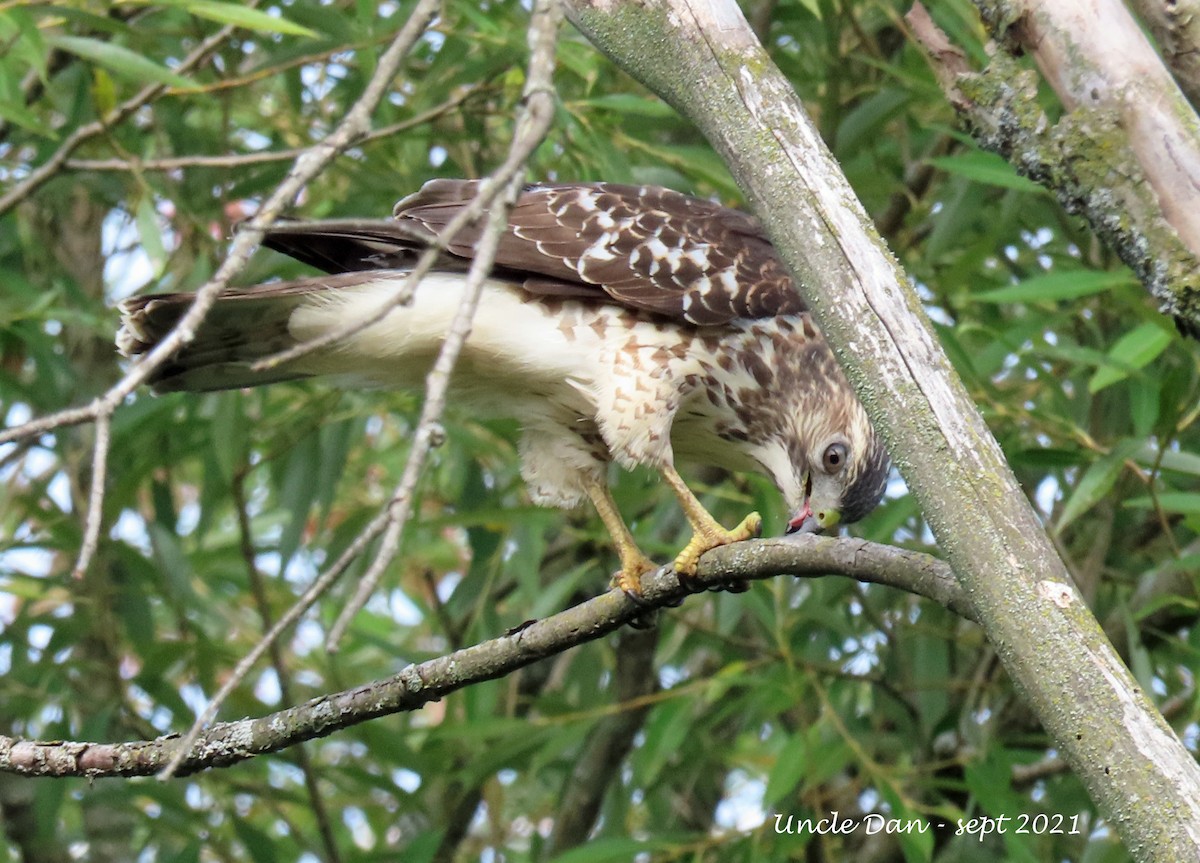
x,y
1126,154
531,128
703,58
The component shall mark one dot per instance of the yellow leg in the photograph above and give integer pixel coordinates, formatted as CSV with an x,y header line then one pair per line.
x,y
634,564
707,533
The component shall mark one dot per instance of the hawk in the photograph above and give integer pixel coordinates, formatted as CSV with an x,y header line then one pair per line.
x,y
620,323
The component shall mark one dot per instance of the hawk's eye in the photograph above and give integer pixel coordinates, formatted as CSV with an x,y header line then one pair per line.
x,y
834,458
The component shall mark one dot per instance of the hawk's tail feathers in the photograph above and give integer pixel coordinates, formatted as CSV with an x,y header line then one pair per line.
x,y
242,328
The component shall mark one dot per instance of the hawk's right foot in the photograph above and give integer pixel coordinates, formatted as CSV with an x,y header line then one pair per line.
x,y
628,578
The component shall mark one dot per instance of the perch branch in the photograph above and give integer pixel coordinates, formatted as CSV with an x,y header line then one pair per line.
x,y
226,743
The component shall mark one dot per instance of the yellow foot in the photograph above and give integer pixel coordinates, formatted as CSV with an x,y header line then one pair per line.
x,y
709,538
629,577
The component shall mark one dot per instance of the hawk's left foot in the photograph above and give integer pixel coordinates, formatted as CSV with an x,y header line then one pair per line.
x,y
710,535
707,533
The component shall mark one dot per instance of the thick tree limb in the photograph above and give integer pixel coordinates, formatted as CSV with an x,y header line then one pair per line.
x,y
228,743
1126,155
702,57
1095,57
1176,27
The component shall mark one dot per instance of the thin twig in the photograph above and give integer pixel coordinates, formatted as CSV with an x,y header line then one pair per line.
x,y
532,126
95,506
352,127
242,160
42,425
428,431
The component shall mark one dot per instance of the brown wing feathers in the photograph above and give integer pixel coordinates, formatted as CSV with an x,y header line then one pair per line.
x,y
349,245
645,248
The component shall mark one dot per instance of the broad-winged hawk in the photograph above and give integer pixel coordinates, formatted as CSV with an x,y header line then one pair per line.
x,y
623,323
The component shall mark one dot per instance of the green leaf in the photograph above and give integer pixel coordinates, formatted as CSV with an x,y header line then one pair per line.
x,y
1144,401
869,117
985,168
23,42
257,842
604,850
172,562
21,116
104,91
1134,350
1050,287
665,733
120,60
1182,502
239,16
813,6
790,766
151,234
1176,460
297,491
633,104
1096,482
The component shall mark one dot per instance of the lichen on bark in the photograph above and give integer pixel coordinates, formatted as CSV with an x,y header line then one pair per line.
x,y
1085,160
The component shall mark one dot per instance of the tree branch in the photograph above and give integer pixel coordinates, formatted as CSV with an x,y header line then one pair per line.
x,y
703,58
1176,26
233,161
1126,155
228,743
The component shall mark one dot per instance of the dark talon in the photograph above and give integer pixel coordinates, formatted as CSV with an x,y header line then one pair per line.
x,y
690,583
693,584
732,586
635,596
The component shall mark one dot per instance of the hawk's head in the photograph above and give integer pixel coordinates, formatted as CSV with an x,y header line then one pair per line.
x,y
836,470
843,483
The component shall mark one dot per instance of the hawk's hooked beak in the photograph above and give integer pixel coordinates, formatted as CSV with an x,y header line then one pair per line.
x,y
807,521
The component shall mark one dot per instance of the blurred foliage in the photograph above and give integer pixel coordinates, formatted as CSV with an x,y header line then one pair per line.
x,y
795,698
